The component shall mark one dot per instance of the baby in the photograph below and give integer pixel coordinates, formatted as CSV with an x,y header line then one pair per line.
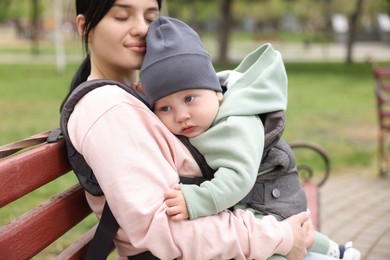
x,y
182,88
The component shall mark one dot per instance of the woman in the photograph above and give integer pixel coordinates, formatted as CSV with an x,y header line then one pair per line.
x,y
136,159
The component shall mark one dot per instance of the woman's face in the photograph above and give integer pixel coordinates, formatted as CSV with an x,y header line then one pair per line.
x,y
117,43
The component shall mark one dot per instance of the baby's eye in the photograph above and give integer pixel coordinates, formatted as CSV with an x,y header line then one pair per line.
x,y
189,99
164,109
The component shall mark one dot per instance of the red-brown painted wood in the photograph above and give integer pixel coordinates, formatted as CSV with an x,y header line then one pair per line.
x,y
29,170
32,232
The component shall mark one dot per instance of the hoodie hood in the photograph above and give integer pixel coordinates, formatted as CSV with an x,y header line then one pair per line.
x,y
258,85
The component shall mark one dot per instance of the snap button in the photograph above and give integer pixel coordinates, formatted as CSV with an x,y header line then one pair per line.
x,y
276,193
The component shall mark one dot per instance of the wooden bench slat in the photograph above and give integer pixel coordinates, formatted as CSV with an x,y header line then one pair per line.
x,y
32,232
78,249
31,169
381,72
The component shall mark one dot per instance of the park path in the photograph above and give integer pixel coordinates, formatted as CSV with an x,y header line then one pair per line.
x,y
299,52
357,207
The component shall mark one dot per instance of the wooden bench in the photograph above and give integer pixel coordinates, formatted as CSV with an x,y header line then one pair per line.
x,y
30,233
382,93
22,173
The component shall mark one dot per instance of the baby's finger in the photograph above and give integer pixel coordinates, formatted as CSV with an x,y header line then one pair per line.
x,y
178,217
170,202
171,211
169,194
176,186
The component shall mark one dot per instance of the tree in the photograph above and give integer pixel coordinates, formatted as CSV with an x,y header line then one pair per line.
x,y
4,4
58,37
225,24
353,19
34,27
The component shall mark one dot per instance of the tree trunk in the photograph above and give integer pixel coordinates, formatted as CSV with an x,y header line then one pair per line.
x,y
328,19
58,37
164,8
34,27
225,25
352,30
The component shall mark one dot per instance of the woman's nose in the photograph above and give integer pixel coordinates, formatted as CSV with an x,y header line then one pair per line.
x,y
140,27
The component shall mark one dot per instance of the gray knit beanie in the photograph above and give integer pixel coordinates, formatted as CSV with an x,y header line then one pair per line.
x,y
175,60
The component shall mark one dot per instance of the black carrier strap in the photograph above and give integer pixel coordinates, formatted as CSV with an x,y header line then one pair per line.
x,y
102,242
143,256
83,172
207,171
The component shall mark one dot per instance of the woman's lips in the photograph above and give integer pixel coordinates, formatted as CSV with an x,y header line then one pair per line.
x,y
137,47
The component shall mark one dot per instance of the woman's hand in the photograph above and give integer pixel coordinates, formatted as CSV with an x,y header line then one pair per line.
x,y
308,228
177,207
299,248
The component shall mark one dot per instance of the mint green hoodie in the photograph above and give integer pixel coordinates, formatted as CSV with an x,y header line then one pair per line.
x,y
234,144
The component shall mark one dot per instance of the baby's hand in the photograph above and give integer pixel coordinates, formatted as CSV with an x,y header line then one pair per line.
x,y
177,207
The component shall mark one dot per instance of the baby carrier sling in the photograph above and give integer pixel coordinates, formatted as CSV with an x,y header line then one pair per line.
x,y
278,188
102,241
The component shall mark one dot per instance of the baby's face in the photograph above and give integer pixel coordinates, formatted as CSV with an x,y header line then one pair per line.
x,y
189,112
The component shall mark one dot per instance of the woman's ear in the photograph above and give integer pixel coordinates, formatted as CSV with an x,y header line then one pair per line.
x,y
80,23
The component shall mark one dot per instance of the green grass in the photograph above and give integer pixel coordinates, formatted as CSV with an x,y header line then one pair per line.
x,y
29,99
334,105
45,47
330,104
290,37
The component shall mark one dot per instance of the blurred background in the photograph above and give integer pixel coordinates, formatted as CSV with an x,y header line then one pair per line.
x,y
326,46
302,22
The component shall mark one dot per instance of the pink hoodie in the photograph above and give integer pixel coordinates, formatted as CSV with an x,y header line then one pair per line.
x,y
136,159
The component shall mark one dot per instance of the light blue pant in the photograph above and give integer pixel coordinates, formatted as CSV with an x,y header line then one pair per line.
x,y
315,256
310,256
